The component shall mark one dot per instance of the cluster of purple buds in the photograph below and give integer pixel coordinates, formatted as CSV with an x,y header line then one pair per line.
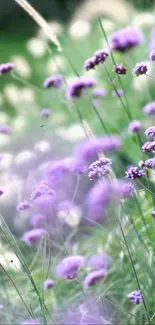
x,y
134,172
135,126
49,284
69,267
99,57
40,189
152,55
153,214
53,81
77,86
93,277
149,108
149,163
45,113
140,69
1,192
22,206
136,297
99,168
127,189
120,69
125,39
98,261
5,129
33,236
6,67
150,131
149,147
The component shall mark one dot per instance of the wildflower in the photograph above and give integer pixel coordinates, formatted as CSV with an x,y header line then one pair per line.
x,y
22,206
136,297
98,261
125,39
1,307
90,63
49,284
118,93
127,189
6,67
149,108
40,189
58,169
53,81
30,322
135,126
32,236
99,92
120,69
149,163
5,129
37,220
140,69
45,113
94,277
78,167
152,55
150,131
1,192
69,266
101,56
99,168
77,86
153,214
134,172
148,147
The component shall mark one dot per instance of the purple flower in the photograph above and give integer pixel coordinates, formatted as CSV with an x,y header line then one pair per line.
x,y
149,163
37,221
53,81
77,86
118,93
150,131
78,167
127,189
101,196
101,56
90,63
1,192
6,67
99,168
22,206
149,108
153,214
99,92
49,284
125,39
69,266
90,148
149,147
120,69
152,55
135,126
134,172
32,236
40,189
5,129
136,297
1,307
45,113
58,169
98,261
94,277
30,322
140,69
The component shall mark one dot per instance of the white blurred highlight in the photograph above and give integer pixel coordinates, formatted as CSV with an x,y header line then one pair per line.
x,y
142,20
79,29
72,133
42,146
55,64
21,66
36,47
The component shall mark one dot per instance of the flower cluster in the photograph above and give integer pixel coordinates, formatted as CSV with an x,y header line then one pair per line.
x,y
98,57
136,297
99,168
126,39
134,172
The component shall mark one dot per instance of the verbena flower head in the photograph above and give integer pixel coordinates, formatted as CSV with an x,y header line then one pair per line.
x,y
152,55
149,147
93,277
53,81
1,192
77,86
153,214
135,126
90,63
99,56
1,307
140,69
40,189
30,322
120,69
149,163
118,93
45,113
136,297
6,67
98,261
99,168
134,172
90,148
49,284
22,206
5,129
69,267
127,189
149,108
33,236
150,131
99,92
125,39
